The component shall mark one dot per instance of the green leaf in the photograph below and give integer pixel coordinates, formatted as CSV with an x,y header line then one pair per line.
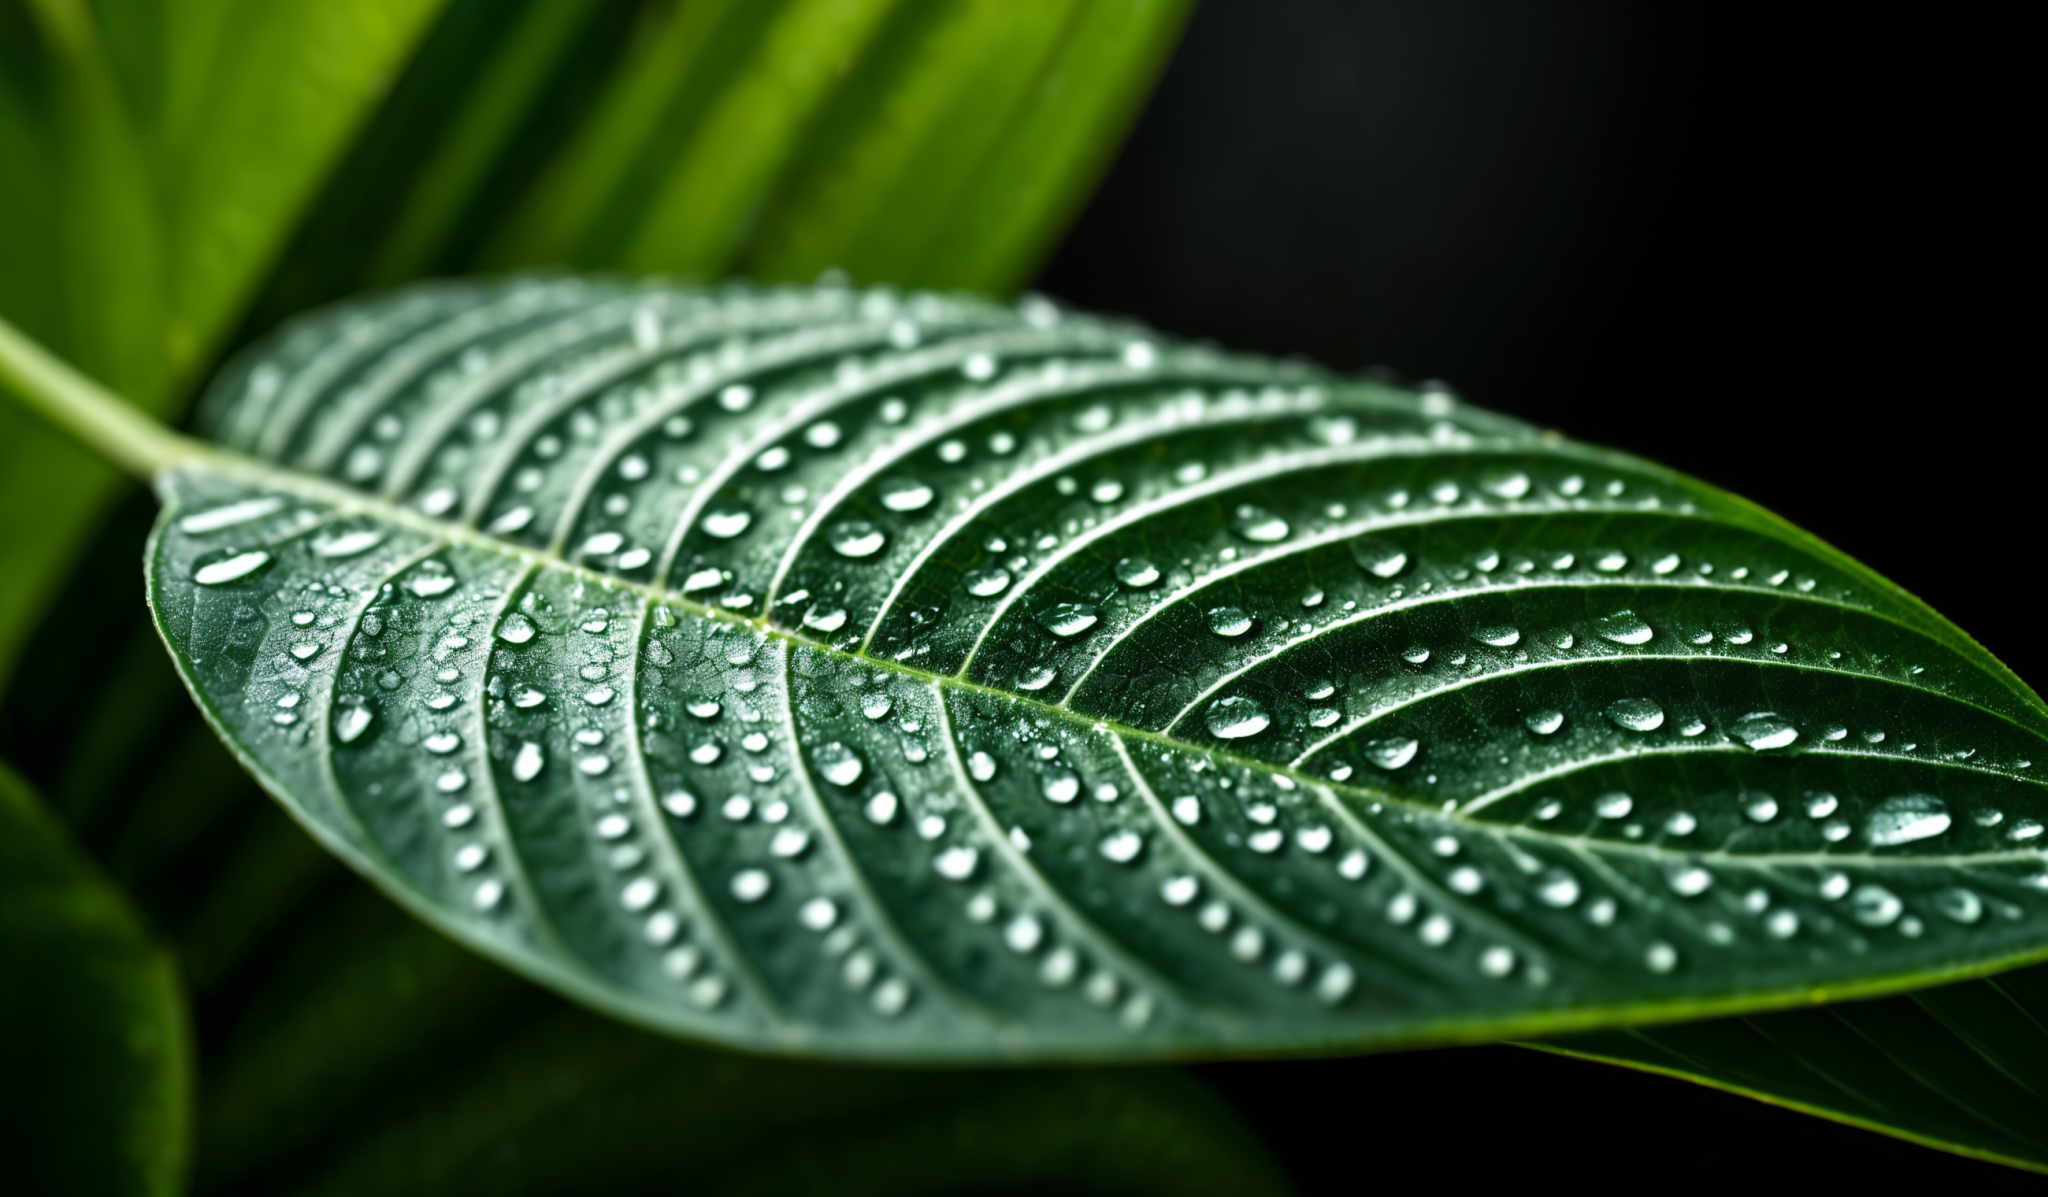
x,y
847,673
1960,1067
93,1037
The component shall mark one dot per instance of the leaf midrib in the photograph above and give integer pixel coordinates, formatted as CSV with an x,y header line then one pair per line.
x,y
347,501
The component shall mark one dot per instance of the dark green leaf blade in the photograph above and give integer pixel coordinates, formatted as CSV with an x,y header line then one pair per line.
x,y
93,1034
374,1056
1961,1067
845,672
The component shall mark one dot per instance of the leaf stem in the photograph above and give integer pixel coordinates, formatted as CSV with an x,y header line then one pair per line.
x,y
96,417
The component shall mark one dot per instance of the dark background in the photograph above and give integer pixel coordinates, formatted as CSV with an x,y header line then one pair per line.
x,y
1780,250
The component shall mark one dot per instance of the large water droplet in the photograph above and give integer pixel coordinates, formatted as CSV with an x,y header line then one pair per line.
x,y
1635,714
1615,805
1229,621
1960,904
1121,847
431,579
1905,818
352,717
856,539
1069,619
1499,635
1392,753
1544,723
240,512
1623,627
906,494
1875,906
1236,718
1513,484
1558,888
726,520
1258,525
528,761
1380,558
825,618
1764,730
987,583
751,885
232,568
957,863
516,629
347,542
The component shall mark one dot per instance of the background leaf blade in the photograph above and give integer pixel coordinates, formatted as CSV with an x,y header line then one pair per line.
x,y
96,1043
1956,1067
169,164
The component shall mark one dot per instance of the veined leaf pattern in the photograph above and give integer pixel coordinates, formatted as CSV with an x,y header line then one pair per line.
x,y
879,674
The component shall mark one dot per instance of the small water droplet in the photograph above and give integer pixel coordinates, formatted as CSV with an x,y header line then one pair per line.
x,y
1614,805
1691,881
1136,572
1121,847
1874,906
751,885
838,763
906,495
1959,904
726,520
1905,818
957,863
1558,888
987,583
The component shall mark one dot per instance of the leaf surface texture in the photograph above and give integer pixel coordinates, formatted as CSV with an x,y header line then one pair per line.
x,y
859,673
